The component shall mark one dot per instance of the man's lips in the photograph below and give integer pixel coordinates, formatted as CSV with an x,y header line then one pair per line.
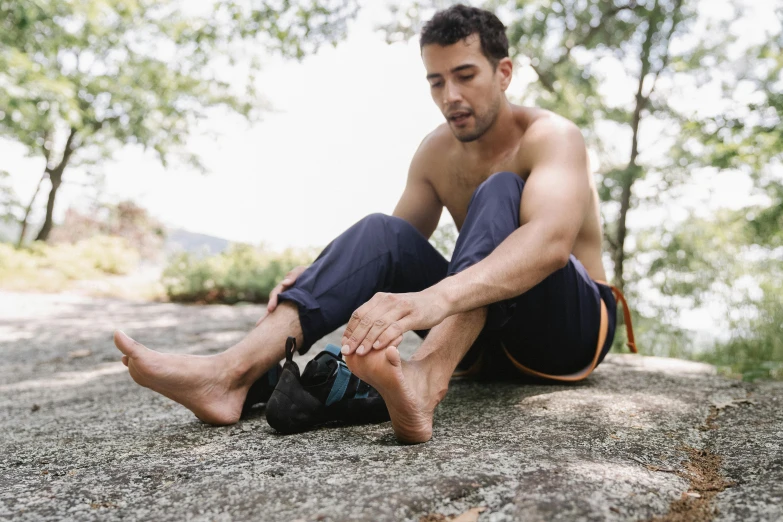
x,y
458,117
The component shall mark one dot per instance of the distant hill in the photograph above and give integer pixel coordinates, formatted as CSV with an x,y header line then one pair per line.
x,y
179,240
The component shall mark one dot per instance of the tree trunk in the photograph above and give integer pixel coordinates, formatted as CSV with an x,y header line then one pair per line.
x,y
56,177
632,170
29,208
43,234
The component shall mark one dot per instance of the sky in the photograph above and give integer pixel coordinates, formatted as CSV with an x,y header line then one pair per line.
x,y
335,147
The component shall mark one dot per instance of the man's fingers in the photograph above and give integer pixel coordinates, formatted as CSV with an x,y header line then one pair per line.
x,y
395,343
392,336
359,324
270,307
357,340
382,323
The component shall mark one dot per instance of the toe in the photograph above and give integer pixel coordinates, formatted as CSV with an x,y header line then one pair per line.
x,y
125,344
393,356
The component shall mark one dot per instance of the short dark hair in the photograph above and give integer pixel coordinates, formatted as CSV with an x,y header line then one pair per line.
x,y
456,23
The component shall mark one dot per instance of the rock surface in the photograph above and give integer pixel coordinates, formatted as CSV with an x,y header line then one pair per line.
x,y
641,438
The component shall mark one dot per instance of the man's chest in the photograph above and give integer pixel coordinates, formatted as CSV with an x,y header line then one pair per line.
x,y
459,178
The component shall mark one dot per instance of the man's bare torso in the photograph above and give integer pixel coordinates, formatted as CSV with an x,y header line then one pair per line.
x,y
455,175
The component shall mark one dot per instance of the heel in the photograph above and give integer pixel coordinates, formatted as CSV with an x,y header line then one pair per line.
x,y
290,408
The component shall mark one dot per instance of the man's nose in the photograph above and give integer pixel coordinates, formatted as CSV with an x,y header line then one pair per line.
x,y
451,94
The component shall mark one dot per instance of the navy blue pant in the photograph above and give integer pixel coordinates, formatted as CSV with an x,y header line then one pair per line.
x,y
552,328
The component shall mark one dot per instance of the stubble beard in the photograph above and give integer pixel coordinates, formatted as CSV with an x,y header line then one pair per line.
x,y
483,123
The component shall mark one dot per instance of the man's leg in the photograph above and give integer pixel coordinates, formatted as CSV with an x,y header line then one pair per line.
x,y
213,387
379,253
413,388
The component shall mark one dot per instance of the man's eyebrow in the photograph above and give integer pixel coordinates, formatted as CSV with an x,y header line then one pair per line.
x,y
463,67
454,70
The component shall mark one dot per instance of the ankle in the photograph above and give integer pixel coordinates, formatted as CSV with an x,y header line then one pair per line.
x,y
237,372
433,380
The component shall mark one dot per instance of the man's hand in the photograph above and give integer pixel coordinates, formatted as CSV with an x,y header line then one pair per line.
x,y
381,321
285,284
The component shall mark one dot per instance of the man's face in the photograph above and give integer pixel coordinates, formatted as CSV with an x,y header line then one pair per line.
x,y
465,86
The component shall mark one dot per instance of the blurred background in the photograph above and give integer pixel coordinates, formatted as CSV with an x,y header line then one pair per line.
x,y
196,152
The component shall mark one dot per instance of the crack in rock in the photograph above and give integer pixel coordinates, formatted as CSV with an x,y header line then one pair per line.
x,y
702,470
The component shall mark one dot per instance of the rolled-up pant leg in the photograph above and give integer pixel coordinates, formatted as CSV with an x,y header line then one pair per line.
x,y
380,253
553,327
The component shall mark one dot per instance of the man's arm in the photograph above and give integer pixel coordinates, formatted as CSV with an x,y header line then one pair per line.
x,y
554,204
419,204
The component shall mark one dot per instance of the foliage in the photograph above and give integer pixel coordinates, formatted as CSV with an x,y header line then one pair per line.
x,y
755,350
125,219
445,238
79,79
9,203
243,273
51,267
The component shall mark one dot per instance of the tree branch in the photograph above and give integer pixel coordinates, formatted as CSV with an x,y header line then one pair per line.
x,y
67,152
595,28
47,152
667,56
545,78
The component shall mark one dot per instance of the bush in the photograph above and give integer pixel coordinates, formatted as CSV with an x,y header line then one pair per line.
x,y
44,267
243,273
755,350
122,220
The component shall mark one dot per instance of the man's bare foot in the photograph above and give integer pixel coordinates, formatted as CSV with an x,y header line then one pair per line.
x,y
405,388
203,384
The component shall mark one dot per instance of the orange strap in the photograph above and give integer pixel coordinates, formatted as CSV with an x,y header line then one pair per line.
x,y
618,295
578,376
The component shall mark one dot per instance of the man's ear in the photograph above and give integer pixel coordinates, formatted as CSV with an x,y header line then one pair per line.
x,y
505,69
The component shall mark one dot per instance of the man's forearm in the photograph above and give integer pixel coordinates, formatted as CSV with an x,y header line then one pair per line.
x,y
521,261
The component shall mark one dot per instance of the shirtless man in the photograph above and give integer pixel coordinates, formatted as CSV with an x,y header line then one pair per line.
x,y
525,270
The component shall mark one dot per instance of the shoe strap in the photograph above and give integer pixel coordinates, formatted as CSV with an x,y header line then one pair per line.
x,y
273,375
340,384
290,348
334,350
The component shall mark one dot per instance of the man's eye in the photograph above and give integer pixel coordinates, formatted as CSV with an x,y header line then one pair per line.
x,y
466,78
437,84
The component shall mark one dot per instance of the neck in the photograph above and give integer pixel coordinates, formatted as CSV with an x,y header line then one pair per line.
x,y
501,135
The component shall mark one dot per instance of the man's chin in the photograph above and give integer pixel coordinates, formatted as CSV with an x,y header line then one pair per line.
x,y
465,135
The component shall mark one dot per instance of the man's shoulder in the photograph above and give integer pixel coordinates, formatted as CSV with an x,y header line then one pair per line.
x,y
433,149
544,125
548,135
438,140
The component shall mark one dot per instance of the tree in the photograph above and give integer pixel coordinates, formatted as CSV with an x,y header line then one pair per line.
x,y
735,258
79,79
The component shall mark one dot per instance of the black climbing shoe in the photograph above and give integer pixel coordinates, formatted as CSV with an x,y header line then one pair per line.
x,y
262,389
326,391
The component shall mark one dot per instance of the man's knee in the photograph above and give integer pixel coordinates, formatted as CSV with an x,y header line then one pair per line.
x,y
376,220
378,224
501,183
499,187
